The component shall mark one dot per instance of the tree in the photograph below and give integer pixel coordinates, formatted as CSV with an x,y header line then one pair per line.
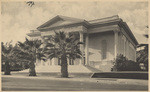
x,y
7,54
20,59
31,51
62,46
11,58
142,57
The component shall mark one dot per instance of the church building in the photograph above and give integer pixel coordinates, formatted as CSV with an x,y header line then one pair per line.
x,y
104,39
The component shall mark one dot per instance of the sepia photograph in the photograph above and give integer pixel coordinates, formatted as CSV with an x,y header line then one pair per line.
x,y
78,45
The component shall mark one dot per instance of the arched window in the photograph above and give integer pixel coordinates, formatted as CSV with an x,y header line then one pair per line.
x,y
104,49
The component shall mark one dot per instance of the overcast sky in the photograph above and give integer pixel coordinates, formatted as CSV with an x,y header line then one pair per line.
x,y
18,18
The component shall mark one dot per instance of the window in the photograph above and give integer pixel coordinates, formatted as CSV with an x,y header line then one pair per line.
x,y
71,61
104,49
59,61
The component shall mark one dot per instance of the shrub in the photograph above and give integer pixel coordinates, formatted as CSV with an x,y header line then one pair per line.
x,y
142,58
123,64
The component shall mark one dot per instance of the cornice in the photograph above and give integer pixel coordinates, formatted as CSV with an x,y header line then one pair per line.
x,y
128,31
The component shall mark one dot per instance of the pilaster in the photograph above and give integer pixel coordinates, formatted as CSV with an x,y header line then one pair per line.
x,y
116,42
87,49
81,47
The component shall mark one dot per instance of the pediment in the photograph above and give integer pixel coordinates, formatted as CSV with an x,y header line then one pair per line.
x,y
59,21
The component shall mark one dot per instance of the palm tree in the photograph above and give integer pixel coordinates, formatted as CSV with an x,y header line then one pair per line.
x,y
7,54
20,56
31,51
62,46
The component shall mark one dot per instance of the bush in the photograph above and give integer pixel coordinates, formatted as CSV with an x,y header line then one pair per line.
x,y
123,64
142,58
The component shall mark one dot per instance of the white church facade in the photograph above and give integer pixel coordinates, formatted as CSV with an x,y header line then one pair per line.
x,y
104,39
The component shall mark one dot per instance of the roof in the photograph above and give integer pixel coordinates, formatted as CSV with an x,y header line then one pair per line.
x,y
62,21
104,20
128,31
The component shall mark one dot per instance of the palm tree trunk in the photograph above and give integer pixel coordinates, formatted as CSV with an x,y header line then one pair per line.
x,y
7,68
64,66
70,63
32,71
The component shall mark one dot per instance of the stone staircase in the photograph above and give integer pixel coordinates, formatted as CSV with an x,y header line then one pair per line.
x,y
57,68
93,69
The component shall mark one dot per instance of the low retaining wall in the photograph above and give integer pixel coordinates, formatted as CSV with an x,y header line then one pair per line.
x,y
125,75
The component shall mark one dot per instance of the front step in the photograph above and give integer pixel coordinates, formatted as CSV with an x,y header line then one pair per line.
x,y
94,70
57,68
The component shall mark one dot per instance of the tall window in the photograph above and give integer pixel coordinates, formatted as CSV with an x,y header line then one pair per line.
x,y
71,61
59,62
104,49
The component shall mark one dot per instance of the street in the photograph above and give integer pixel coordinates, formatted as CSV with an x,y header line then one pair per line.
x,y
70,84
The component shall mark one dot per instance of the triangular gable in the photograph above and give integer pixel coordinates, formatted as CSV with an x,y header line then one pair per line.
x,y
59,20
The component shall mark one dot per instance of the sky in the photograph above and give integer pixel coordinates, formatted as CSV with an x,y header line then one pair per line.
x,y
18,18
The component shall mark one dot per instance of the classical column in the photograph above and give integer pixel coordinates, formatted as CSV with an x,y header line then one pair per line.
x,y
124,46
81,47
42,41
87,49
115,43
135,54
37,62
50,62
42,62
53,61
